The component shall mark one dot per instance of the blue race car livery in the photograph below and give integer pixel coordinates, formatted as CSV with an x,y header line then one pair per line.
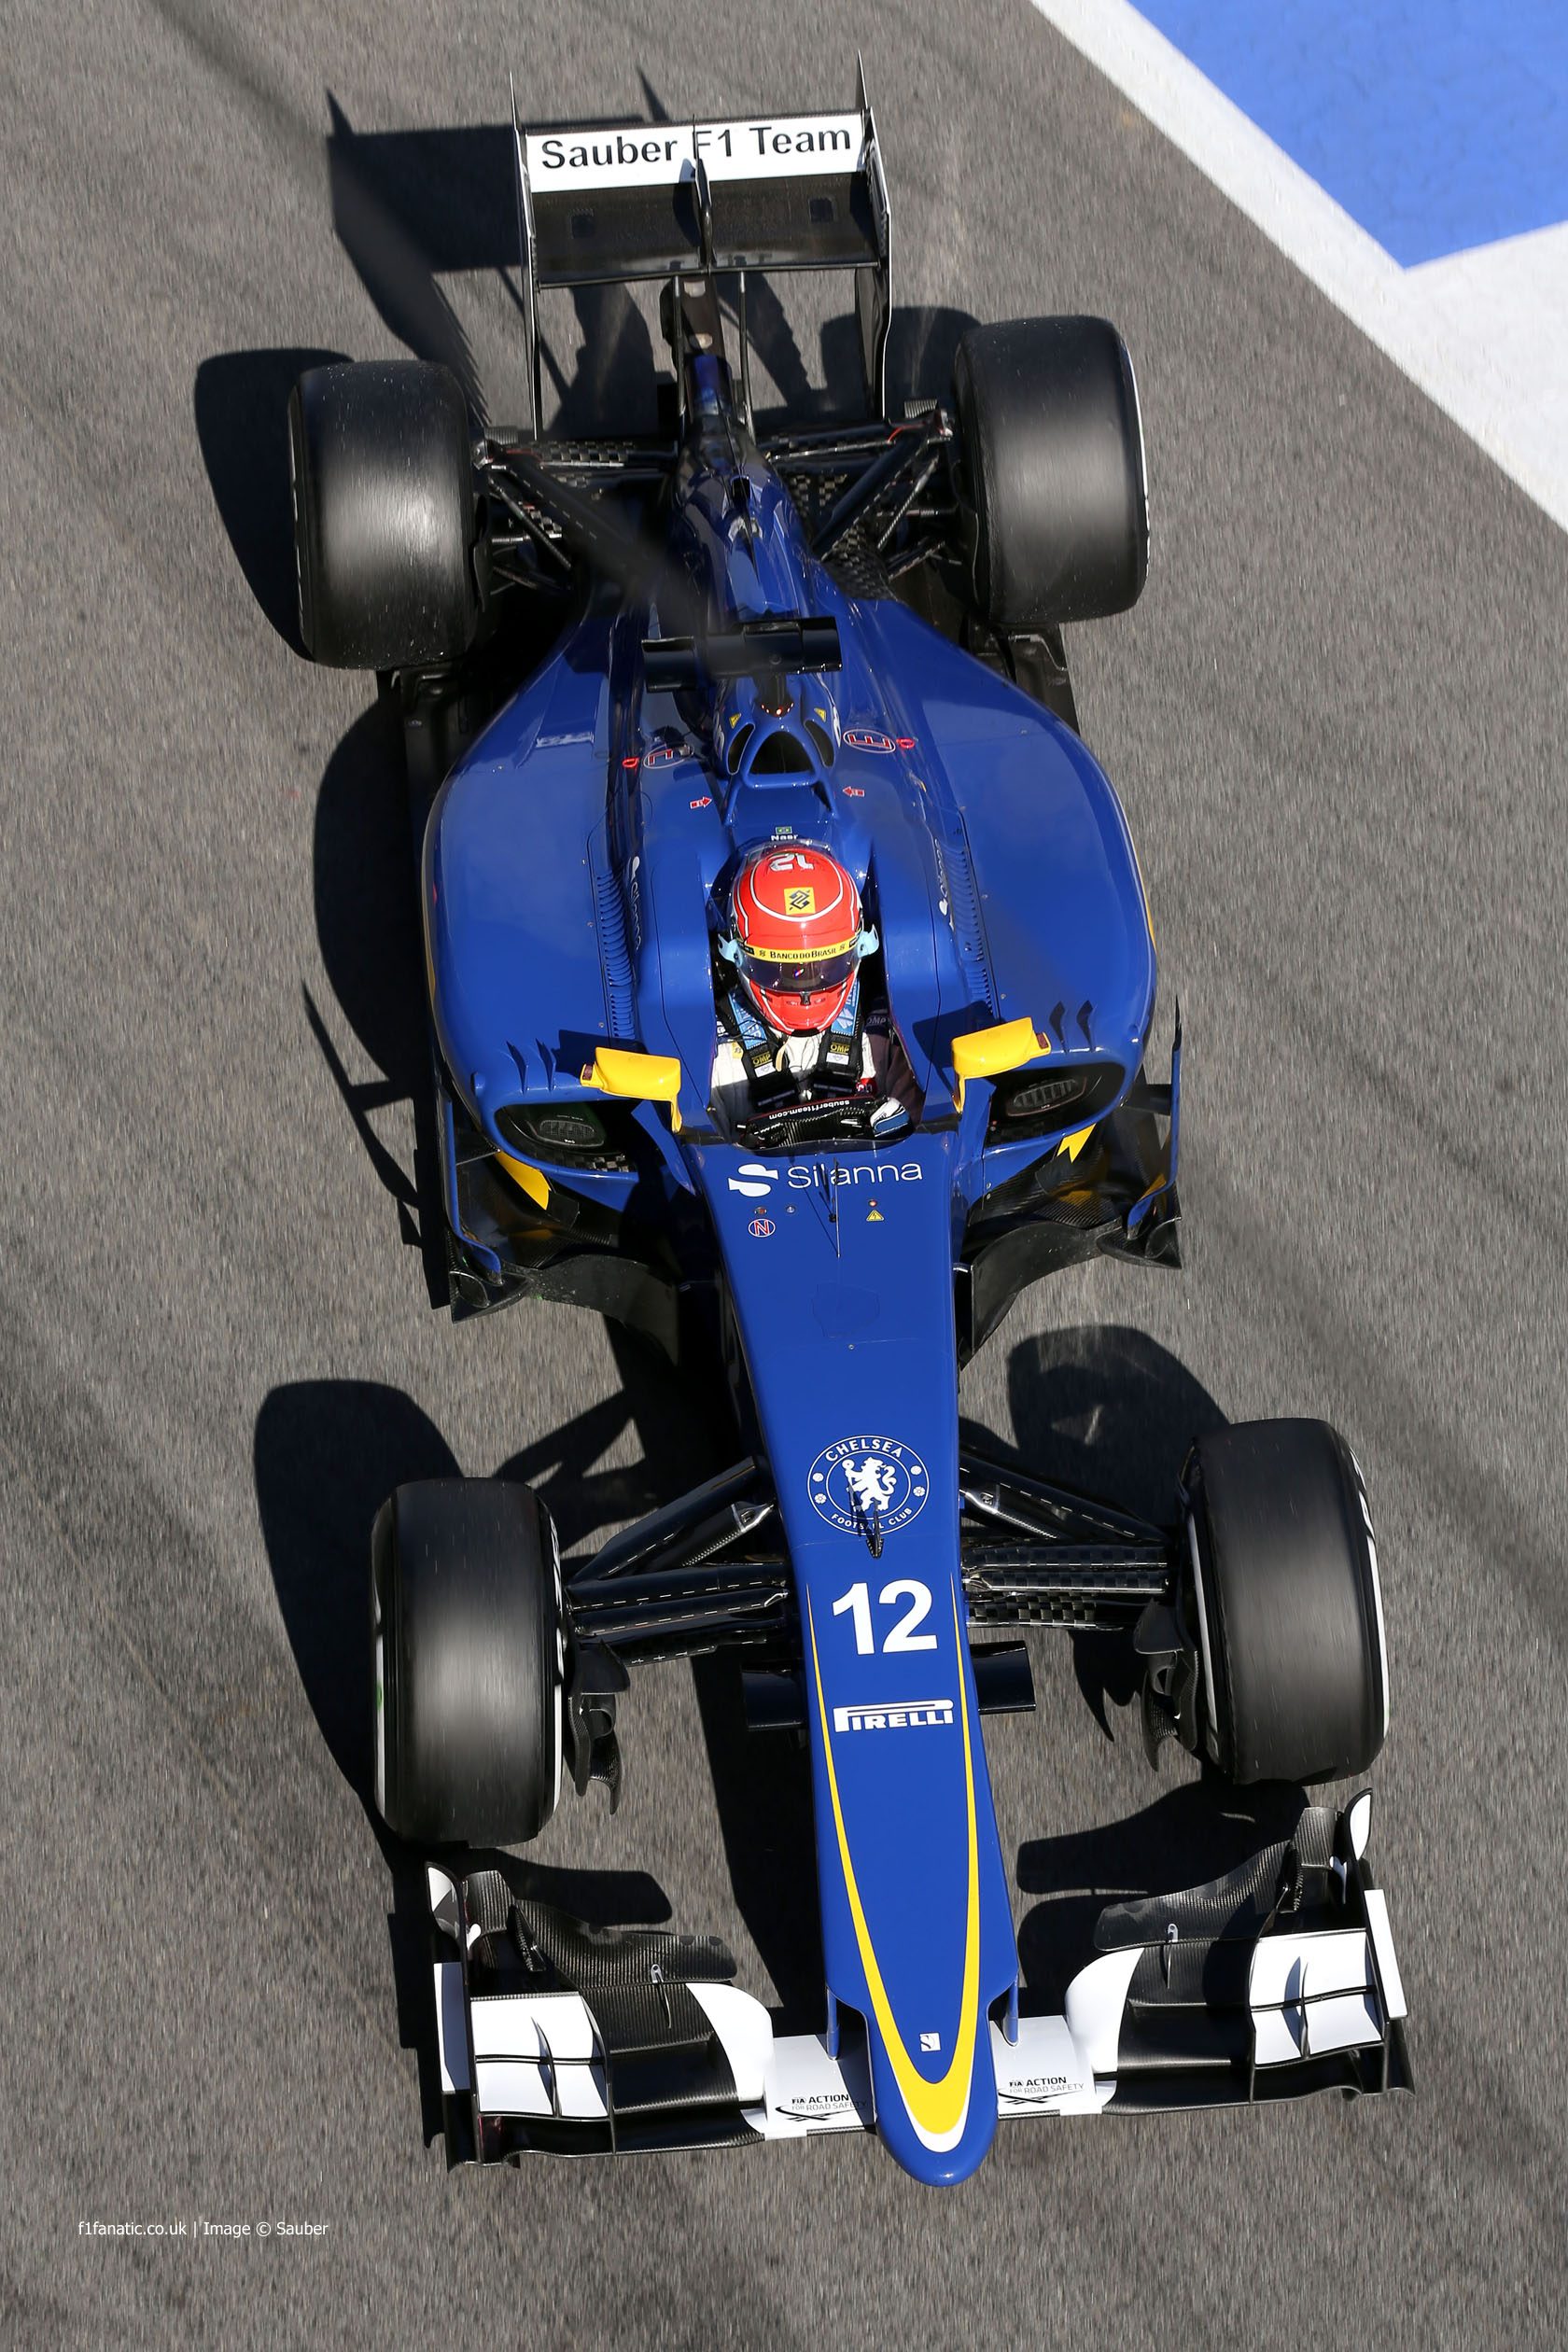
x,y
630,670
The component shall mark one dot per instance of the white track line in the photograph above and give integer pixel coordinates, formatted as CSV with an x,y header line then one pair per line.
x,y
1484,334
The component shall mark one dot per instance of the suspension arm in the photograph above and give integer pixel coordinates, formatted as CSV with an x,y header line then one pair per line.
x,y
1046,1512
681,1612
1079,1588
908,449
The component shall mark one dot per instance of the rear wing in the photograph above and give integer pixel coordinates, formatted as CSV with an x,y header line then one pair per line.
x,y
615,204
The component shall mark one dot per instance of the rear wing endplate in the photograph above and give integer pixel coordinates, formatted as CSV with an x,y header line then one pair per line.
x,y
616,203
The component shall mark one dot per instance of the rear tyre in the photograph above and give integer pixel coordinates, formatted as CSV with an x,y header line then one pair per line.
x,y
1052,450
1294,1666
383,515
467,1625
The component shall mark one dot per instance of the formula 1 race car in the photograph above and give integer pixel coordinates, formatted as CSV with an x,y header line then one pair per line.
x,y
791,985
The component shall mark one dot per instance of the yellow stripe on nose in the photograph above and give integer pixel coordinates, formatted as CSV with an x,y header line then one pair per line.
x,y
937,2110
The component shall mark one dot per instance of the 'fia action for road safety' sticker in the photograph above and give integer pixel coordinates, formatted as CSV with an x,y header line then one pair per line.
x,y
859,1480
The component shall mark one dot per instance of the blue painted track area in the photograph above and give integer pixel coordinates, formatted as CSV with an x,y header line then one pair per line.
x,y
1437,126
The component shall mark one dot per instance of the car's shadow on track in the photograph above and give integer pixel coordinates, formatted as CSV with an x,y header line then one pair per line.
x,y
1102,1408
327,1453
241,404
366,906
366,922
1106,1409
413,207
410,206
1186,1834
761,1781
1098,1408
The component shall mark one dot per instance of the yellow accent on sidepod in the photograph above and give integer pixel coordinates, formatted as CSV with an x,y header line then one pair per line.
x,y
985,1053
936,2109
534,1180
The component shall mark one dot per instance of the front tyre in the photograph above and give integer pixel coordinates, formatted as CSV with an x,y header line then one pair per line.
x,y
469,1646
1289,1611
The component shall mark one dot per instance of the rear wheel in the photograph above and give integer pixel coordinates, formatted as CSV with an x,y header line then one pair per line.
x,y
1052,450
1289,1613
383,515
469,1658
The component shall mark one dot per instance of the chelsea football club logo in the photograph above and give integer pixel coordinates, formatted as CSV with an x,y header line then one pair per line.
x,y
863,1482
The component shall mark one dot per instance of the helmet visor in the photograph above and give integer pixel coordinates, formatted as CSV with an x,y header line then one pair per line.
x,y
794,974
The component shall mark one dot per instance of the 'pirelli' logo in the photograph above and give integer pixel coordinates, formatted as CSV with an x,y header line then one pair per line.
x,y
911,1717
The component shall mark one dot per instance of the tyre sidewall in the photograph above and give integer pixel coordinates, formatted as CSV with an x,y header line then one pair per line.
x,y
1052,452
385,515
472,1647
1287,1566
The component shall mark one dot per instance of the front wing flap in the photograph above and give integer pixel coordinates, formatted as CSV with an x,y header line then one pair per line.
x,y
1277,1982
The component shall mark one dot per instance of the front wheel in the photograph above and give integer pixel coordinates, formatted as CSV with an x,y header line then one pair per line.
x,y
469,1645
1287,1601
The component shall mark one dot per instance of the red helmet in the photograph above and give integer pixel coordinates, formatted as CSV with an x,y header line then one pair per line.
x,y
796,938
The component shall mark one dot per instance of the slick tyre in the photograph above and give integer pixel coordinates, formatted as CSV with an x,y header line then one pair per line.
x,y
1284,1567
1051,453
383,515
466,1629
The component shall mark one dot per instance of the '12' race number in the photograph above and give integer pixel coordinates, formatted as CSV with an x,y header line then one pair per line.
x,y
901,1636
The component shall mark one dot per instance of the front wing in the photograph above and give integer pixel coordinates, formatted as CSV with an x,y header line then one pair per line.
x,y
1276,1982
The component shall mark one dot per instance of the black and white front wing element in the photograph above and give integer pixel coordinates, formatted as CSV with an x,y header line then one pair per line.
x,y
1275,1982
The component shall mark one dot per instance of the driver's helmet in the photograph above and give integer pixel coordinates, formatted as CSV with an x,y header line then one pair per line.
x,y
795,936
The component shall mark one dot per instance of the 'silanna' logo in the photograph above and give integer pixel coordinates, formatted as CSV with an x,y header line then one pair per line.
x,y
755,1181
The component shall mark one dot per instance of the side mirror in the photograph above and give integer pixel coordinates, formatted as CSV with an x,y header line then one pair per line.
x,y
639,1077
986,1053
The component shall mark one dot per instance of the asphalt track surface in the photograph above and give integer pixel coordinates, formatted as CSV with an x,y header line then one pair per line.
x,y
1337,718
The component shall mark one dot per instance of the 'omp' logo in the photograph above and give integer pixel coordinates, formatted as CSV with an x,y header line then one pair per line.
x,y
909,1716
861,1482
